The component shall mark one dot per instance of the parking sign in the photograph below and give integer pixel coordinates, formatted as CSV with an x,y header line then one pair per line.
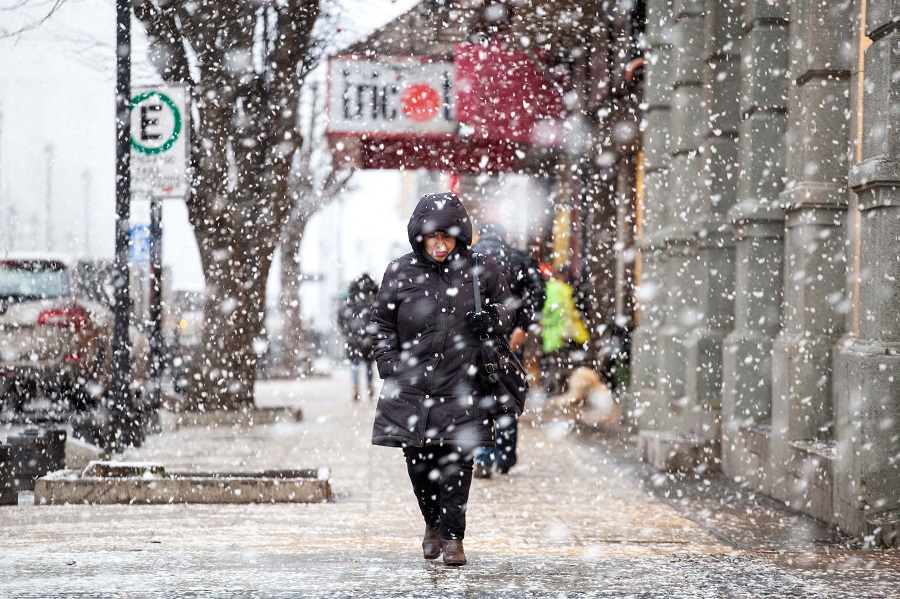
x,y
159,142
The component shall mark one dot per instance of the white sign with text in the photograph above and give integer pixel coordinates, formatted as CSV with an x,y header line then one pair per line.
x,y
391,96
159,142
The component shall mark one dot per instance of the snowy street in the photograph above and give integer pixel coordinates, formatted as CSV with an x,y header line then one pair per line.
x,y
578,516
693,207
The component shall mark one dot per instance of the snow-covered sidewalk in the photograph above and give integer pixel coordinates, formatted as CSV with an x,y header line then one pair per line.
x,y
567,519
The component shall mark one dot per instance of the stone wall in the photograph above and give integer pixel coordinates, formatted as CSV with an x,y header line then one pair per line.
x,y
753,264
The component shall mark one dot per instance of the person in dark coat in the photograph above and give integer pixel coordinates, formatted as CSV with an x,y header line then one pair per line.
x,y
353,319
426,335
526,283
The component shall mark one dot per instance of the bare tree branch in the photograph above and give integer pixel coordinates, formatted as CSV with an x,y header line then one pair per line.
x,y
55,6
167,52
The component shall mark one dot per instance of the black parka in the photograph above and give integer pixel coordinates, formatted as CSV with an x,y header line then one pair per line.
x,y
522,272
354,316
424,345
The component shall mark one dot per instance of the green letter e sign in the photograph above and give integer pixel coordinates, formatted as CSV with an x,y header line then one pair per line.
x,y
152,130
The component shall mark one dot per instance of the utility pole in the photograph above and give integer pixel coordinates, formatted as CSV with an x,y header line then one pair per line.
x,y
156,283
34,231
86,224
11,239
120,403
48,218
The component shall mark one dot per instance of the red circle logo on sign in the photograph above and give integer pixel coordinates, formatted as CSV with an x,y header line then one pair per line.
x,y
420,102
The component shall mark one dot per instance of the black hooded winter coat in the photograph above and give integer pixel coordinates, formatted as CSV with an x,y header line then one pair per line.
x,y
424,345
522,272
354,316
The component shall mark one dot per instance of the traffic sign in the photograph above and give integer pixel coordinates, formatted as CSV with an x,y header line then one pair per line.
x,y
139,244
159,142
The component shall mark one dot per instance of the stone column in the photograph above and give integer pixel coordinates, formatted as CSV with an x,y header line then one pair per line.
x,y
712,233
759,237
686,178
815,204
867,373
646,407
699,261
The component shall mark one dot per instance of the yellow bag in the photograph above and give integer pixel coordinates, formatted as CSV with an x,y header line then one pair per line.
x,y
575,329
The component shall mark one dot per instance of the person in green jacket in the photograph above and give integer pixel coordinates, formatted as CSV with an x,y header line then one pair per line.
x,y
564,335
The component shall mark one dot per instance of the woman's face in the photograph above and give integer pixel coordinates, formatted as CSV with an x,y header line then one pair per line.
x,y
438,245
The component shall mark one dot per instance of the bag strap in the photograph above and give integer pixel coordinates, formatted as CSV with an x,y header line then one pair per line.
x,y
512,357
475,280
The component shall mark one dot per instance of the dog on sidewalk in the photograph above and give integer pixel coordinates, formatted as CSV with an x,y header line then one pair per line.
x,y
586,399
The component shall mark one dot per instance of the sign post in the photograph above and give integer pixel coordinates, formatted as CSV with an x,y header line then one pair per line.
x,y
118,399
159,147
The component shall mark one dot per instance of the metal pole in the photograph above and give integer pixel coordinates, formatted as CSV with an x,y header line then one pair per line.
x,y
86,225
119,400
156,282
48,223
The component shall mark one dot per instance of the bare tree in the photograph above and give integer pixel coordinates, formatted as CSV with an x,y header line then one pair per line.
x,y
245,63
314,184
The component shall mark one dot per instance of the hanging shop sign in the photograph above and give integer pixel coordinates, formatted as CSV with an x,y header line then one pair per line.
x,y
481,112
390,96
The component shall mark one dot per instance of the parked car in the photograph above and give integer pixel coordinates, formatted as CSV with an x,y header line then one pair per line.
x,y
55,341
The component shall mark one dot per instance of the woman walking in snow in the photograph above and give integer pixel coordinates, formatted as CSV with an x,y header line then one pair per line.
x,y
427,335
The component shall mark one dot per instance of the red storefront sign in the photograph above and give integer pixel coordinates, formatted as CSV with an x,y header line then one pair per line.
x,y
475,114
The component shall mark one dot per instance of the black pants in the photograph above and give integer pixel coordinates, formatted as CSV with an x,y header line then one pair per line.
x,y
441,478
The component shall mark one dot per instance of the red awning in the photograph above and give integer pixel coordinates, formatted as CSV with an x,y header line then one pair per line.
x,y
502,95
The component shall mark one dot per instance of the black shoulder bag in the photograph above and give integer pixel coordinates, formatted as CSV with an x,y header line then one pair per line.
x,y
500,380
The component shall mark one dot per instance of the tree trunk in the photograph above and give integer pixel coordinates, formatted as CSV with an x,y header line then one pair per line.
x,y
244,138
236,268
297,355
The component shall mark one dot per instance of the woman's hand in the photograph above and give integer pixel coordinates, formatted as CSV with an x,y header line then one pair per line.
x,y
485,322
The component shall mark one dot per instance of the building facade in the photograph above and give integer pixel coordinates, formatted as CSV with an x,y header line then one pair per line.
x,y
582,63
768,342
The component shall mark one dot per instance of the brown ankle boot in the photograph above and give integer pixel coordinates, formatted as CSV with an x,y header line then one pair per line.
x,y
431,544
355,393
453,552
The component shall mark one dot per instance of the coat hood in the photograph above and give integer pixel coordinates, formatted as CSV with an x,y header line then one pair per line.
x,y
363,285
439,212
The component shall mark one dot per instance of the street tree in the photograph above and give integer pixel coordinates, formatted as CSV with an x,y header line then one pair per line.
x,y
245,64
314,183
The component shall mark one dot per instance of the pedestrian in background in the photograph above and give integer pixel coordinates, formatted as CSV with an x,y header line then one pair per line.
x,y
523,275
564,335
427,340
353,319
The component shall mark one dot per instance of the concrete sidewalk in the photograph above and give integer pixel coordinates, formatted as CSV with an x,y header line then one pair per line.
x,y
577,517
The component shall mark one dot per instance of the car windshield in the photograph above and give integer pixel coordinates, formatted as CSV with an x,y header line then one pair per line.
x,y
32,279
